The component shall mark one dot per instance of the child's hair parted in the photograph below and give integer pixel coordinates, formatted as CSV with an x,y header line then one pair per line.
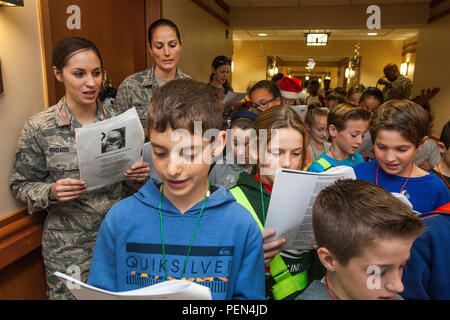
x,y
341,113
350,215
180,102
404,116
356,88
270,86
312,113
279,117
372,92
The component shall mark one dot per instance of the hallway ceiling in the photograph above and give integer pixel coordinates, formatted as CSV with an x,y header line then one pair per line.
x,y
294,3
336,34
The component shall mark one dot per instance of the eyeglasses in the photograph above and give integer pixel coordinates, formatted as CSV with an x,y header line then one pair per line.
x,y
262,103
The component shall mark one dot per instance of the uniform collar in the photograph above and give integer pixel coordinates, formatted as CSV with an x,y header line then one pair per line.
x,y
61,122
150,77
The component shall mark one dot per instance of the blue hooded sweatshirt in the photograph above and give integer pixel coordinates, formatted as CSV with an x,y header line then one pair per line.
x,y
226,253
426,275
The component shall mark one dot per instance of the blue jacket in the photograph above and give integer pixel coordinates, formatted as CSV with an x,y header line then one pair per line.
x,y
425,193
226,253
426,276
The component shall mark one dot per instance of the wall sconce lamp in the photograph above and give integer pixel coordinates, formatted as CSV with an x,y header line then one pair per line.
x,y
11,3
404,68
347,73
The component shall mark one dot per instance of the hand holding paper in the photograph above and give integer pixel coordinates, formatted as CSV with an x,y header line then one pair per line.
x,y
67,189
138,172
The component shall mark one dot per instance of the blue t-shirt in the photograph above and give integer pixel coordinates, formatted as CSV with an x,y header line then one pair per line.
x,y
425,193
351,161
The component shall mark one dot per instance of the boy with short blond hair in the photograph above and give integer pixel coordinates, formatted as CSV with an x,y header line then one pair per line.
x,y
364,236
398,129
176,229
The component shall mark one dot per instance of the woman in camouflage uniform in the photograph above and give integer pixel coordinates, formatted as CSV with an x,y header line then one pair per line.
x,y
46,174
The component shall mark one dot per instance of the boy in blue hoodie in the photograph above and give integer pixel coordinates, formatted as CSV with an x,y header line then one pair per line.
x,y
183,228
426,274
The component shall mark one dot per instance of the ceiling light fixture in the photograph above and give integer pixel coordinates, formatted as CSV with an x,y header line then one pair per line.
x,y
262,34
317,38
372,34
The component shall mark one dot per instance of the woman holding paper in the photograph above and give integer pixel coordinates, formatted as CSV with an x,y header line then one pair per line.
x,y
45,173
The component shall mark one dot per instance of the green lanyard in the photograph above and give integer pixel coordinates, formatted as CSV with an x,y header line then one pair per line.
x,y
192,239
262,201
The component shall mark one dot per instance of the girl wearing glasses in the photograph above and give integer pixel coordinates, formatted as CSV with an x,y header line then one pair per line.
x,y
264,94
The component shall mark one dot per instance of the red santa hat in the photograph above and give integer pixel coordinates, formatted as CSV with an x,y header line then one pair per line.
x,y
290,88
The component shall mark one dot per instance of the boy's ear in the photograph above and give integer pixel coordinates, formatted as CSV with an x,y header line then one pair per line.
x,y
327,259
441,147
332,130
422,142
308,128
219,144
279,100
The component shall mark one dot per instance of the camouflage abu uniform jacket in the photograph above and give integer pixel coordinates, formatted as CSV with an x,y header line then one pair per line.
x,y
137,90
402,84
46,152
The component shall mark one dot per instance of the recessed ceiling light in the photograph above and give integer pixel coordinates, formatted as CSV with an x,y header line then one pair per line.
x,y
372,34
262,34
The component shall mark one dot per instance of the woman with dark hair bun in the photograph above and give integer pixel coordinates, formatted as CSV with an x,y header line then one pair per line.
x,y
221,69
164,44
46,175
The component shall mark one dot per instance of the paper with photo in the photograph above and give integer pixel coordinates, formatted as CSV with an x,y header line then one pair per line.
x,y
167,290
233,98
107,149
290,207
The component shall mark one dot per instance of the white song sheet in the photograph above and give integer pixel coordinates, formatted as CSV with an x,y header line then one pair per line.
x,y
168,290
290,207
106,149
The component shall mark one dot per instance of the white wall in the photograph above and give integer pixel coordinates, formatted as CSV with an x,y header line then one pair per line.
x,y
432,69
23,81
202,36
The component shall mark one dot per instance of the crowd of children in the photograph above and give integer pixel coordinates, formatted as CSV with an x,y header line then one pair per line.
x,y
203,220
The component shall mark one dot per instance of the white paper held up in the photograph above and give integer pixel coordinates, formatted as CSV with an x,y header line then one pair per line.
x,y
106,149
290,207
167,290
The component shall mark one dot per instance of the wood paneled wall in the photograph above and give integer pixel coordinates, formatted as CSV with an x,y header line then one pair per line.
x,y
21,266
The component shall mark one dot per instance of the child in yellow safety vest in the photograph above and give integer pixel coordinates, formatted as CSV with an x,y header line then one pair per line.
x,y
281,144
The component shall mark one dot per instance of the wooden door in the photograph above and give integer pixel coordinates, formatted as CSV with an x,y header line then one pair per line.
x,y
117,27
